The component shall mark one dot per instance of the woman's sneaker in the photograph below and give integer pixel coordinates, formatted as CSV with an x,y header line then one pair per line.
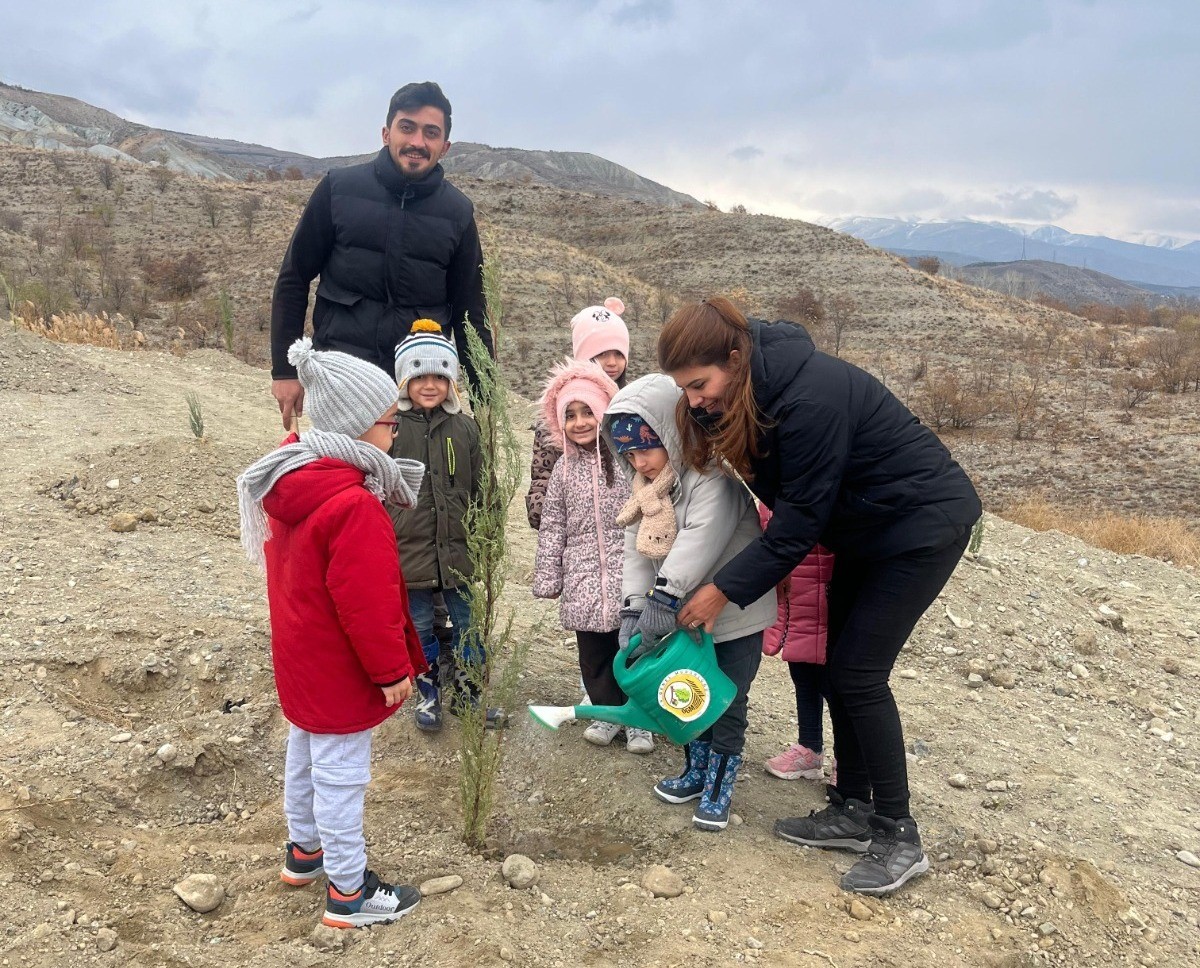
x,y
301,868
797,762
639,740
841,825
894,858
373,903
601,733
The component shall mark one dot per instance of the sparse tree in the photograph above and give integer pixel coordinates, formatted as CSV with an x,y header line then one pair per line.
x,y
248,209
738,209
293,173
1025,390
841,317
929,264
80,281
162,176
210,205
272,175
40,236
107,174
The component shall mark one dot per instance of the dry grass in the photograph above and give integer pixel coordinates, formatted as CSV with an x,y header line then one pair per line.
x,y
1172,539
113,332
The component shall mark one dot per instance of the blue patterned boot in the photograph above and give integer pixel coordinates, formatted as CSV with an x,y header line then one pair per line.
x,y
713,811
429,701
690,783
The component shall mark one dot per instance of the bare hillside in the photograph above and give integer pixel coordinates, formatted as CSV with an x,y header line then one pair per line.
x,y
1031,399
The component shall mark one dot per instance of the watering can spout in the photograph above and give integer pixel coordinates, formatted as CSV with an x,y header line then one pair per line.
x,y
628,715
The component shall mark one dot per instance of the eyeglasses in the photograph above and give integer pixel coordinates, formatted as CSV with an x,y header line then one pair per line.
x,y
394,424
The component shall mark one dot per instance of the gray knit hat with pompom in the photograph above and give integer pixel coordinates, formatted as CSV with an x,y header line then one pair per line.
x,y
342,394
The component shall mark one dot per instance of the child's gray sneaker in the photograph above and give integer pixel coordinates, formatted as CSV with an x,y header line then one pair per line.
x,y
894,858
842,825
373,903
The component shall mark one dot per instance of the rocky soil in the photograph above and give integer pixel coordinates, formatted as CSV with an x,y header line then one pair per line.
x,y
1050,699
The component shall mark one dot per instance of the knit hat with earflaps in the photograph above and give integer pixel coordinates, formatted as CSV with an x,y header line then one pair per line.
x,y
342,394
574,381
598,329
426,351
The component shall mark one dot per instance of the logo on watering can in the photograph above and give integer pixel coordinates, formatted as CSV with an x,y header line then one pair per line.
x,y
684,694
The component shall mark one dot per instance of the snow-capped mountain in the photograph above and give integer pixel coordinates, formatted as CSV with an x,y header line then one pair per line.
x,y
1165,261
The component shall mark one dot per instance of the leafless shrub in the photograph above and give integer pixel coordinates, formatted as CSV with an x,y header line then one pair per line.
x,y
176,277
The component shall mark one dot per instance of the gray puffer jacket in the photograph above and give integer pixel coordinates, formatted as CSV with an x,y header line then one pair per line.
x,y
714,515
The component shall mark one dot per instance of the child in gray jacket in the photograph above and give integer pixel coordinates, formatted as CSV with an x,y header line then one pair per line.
x,y
683,525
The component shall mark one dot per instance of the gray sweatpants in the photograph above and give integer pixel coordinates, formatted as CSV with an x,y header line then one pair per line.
x,y
325,781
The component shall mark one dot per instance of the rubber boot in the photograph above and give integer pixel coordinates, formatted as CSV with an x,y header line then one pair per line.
x,y
690,783
713,811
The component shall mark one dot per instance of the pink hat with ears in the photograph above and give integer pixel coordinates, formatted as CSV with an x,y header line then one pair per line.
x,y
574,381
598,329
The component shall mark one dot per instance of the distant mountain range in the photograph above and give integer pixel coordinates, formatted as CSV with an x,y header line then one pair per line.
x,y
1166,262
41,120
1071,284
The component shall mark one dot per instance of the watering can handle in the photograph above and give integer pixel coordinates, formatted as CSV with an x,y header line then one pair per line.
x,y
638,648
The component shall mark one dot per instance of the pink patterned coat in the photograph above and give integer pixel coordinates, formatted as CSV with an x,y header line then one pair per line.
x,y
580,547
800,631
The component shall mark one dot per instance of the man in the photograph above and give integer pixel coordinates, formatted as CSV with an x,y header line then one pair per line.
x,y
392,241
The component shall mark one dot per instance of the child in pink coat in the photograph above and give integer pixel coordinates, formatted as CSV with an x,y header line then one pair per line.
x,y
798,637
580,548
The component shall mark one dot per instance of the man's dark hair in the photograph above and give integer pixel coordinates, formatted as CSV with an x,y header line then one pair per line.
x,y
419,94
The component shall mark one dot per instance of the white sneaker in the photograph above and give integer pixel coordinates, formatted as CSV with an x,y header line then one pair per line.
x,y
601,734
639,740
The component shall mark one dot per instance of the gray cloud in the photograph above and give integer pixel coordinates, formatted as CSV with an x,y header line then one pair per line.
x,y
746,153
890,103
644,11
1035,204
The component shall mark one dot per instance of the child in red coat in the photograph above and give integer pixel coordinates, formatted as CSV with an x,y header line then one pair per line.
x,y
798,637
342,643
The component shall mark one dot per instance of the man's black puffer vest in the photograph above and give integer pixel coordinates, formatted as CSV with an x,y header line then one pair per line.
x,y
388,267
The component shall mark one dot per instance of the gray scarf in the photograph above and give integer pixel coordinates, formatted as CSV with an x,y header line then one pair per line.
x,y
396,481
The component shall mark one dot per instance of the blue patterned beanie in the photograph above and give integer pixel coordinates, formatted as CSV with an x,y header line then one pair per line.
x,y
631,432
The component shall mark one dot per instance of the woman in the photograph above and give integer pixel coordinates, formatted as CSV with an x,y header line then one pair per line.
x,y
838,459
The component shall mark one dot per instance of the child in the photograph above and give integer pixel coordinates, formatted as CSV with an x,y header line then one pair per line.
x,y
432,538
343,647
684,525
599,334
798,636
579,542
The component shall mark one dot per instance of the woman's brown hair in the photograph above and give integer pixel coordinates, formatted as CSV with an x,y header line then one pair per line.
x,y
705,334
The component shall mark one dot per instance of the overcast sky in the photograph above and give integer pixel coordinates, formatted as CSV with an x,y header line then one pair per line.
x,y
1079,112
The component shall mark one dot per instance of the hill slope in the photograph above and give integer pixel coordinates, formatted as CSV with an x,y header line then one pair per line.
x,y
42,120
1029,278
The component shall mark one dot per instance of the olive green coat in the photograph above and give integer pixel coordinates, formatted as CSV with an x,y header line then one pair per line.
x,y
431,537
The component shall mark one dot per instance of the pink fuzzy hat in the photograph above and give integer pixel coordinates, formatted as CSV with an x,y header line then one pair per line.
x,y
574,381
598,329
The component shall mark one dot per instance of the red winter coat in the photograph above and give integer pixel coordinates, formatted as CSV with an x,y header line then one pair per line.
x,y
800,631
340,625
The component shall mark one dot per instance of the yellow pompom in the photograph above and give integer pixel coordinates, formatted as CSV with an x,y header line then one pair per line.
x,y
426,326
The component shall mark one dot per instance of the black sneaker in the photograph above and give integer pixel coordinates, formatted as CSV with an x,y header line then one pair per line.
x,y
373,903
300,868
842,825
894,858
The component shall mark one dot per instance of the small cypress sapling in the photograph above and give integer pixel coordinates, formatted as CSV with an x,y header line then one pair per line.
x,y
492,683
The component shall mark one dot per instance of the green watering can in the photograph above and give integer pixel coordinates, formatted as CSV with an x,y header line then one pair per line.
x,y
676,689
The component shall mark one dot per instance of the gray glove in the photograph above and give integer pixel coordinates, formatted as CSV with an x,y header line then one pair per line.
x,y
629,622
657,621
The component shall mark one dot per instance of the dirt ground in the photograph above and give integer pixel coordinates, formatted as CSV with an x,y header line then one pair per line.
x,y
143,742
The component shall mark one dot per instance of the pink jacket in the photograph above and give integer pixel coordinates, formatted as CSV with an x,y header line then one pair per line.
x,y
580,546
799,633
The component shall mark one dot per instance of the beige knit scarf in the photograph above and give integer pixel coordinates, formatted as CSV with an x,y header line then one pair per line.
x,y
651,502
